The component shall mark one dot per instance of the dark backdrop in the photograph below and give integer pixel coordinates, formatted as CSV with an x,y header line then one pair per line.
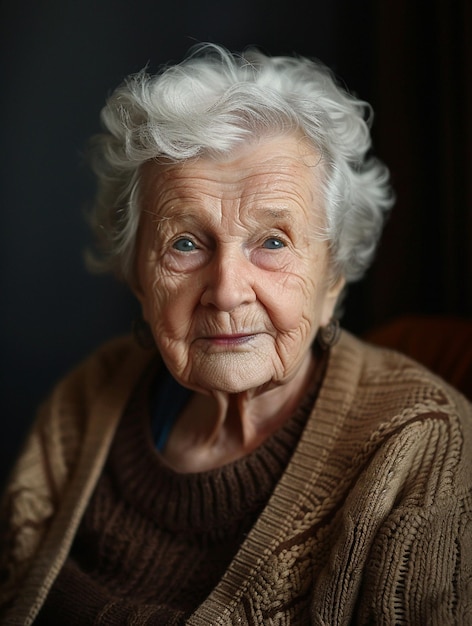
x,y
60,58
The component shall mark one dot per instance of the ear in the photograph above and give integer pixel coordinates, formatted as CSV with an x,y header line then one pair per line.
x,y
330,300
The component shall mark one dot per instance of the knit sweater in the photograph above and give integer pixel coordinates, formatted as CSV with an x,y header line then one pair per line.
x,y
370,523
153,543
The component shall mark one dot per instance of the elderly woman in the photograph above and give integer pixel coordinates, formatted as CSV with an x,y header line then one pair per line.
x,y
246,468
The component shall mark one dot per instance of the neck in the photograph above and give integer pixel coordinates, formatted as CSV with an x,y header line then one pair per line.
x,y
217,429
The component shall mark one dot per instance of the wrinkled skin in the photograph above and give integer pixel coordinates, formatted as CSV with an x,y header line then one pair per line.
x,y
234,280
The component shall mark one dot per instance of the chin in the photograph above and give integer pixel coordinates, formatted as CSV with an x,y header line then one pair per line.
x,y
231,378
224,384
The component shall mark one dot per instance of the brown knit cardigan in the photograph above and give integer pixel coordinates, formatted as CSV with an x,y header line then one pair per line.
x,y
372,519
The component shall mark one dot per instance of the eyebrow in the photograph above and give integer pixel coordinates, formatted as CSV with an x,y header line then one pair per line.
x,y
279,214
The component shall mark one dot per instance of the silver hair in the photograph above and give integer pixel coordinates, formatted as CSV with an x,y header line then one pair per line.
x,y
210,103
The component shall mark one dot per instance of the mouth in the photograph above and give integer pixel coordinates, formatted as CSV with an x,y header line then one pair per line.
x,y
236,339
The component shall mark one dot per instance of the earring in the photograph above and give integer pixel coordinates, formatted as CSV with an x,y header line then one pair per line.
x,y
329,335
142,334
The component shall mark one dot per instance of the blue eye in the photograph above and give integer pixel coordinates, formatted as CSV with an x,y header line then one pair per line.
x,y
184,245
273,244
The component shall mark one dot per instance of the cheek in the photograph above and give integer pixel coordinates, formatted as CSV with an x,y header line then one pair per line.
x,y
291,303
167,302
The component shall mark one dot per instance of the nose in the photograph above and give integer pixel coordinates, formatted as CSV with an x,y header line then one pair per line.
x,y
229,281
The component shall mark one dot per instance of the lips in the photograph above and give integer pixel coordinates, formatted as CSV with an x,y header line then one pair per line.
x,y
230,339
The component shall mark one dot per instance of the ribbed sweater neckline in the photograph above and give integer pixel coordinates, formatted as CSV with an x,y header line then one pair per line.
x,y
205,502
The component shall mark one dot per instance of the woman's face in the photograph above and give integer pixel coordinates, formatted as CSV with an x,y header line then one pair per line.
x,y
232,278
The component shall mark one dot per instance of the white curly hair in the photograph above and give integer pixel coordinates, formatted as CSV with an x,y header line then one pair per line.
x,y
210,103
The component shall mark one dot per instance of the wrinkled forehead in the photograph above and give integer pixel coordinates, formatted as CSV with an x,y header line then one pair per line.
x,y
283,167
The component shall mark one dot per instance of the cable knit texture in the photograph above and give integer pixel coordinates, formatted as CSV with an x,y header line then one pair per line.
x,y
368,521
154,543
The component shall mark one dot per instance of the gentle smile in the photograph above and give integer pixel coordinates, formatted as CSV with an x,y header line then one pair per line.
x,y
229,340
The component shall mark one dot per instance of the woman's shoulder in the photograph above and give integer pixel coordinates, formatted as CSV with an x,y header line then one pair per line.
x,y
87,399
386,393
94,392
105,365
396,377
387,415
64,451
393,399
